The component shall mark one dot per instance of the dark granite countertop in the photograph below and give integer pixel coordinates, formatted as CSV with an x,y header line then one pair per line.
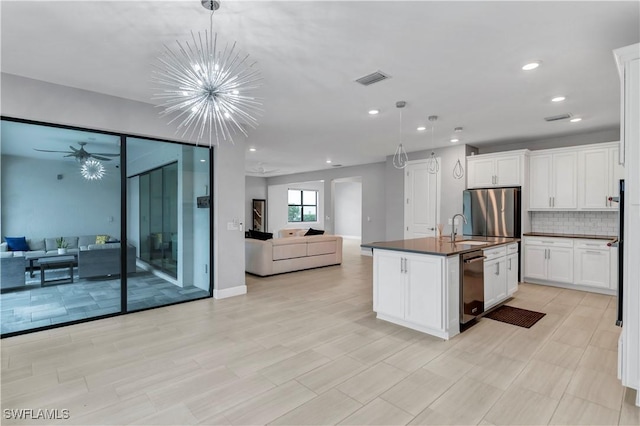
x,y
551,235
440,247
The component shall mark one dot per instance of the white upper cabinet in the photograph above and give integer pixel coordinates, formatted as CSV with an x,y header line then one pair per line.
x,y
553,180
501,169
598,176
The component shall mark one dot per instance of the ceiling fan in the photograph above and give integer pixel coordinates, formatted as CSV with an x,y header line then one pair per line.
x,y
261,169
81,155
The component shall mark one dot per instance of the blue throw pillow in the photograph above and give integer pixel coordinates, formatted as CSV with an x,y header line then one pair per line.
x,y
17,243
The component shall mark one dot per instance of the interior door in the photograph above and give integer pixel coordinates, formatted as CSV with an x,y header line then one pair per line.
x,y
422,198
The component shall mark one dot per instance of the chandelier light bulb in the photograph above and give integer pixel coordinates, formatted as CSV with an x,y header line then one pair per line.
x,y
92,170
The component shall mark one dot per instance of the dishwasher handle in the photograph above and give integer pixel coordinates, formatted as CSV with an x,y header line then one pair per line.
x,y
475,259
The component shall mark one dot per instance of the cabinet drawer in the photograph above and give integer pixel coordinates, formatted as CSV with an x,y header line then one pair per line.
x,y
512,248
592,244
494,253
542,241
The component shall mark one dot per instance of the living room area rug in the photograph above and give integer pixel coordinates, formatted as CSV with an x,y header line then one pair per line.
x,y
515,316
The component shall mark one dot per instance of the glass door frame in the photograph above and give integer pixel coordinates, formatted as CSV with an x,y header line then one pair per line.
x,y
123,220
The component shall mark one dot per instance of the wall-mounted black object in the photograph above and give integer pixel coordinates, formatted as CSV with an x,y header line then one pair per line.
x,y
204,202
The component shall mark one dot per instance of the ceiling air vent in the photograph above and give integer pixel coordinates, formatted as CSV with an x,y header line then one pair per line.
x,y
559,117
374,77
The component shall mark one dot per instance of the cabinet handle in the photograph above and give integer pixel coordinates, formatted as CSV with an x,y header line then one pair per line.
x,y
402,265
553,201
593,252
509,264
549,254
549,201
497,269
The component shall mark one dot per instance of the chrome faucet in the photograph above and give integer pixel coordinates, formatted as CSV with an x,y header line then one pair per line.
x,y
453,225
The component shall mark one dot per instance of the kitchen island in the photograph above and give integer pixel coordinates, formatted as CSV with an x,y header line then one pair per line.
x,y
416,282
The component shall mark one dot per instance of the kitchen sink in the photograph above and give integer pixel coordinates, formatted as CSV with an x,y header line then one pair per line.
x,y
472,242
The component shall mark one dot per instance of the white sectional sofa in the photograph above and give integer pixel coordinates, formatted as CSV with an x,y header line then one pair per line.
x,y
291,252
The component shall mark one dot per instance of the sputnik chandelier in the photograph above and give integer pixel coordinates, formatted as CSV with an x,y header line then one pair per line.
x,y
206,90
92,169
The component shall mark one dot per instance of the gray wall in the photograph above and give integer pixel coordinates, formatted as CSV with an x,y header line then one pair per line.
x,y
451,195
35,204
373,195
255,187
41,101
347,207
605,135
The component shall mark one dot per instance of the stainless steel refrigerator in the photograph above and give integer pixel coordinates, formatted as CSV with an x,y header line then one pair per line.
x,y
493,212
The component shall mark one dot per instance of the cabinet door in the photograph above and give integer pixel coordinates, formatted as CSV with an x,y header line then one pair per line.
x,y
560,265
535,262
540,182
491,280
500,284
592,267
564,194
595,187
508,171
480,172
389,284
424,291
512,274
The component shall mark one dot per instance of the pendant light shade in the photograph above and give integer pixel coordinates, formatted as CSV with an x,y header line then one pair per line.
x,y
400,158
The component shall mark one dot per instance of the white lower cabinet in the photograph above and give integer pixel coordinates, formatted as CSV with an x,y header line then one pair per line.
x,y
413,290
592,262
500,274
580,263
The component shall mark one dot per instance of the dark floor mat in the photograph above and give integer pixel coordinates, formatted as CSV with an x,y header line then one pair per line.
x,y
516,316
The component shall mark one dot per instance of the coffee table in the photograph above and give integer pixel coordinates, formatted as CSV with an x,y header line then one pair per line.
x,y
52,262
35,258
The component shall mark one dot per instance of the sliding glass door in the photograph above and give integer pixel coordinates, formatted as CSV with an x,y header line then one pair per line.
x,y
165,221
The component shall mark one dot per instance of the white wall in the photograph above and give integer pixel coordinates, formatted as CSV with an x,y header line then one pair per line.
x,y
36,100
278,206
35,204
347,208
255,187
373,195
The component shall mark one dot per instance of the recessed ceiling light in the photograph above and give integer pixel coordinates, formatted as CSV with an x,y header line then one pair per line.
x,y
328,161
373,111
455,140
558,99
252,149
575,120
202,161
421,128
531,66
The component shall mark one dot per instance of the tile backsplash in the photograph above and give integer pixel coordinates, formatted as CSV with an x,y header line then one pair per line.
x,y
587,223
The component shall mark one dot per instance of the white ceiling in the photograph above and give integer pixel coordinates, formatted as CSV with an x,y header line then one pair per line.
x,y
458,60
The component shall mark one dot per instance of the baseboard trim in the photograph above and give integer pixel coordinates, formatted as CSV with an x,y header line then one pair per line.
x,y
230,292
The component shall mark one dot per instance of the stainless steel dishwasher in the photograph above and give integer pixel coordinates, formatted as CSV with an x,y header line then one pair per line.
x,y
471,285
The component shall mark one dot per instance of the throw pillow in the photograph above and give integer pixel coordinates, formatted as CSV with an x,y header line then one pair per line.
x,y
101,239
17,243
312,231
264,236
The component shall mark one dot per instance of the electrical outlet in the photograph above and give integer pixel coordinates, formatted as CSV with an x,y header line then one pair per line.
x,y
450,223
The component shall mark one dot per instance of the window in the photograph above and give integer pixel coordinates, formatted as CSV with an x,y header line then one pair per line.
x,y
303,205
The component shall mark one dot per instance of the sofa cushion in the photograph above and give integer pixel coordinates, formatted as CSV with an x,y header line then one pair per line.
x,y
85,240
321,247
4,254
103,246
17,243
101,239
312,231
36,244
289,251
72,242
264,236
51,244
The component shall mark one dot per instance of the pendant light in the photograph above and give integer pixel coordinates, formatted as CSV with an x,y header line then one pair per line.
x,y
432,162
400,158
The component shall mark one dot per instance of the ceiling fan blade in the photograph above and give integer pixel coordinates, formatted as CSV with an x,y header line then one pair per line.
x,y
106,155
98,157
73,149
47,150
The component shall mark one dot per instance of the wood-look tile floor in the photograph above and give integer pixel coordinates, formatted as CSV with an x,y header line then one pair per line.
x,y
306,348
